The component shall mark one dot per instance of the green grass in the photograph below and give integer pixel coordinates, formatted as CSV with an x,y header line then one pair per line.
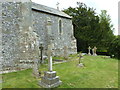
x,y
98,72
58,58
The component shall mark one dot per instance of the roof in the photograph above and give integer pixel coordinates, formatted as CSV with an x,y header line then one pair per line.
x,y
49,10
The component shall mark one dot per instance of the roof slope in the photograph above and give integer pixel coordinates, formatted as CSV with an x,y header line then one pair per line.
x,y
49,10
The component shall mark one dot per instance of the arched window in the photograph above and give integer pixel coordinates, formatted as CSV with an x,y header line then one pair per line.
x,y
60,26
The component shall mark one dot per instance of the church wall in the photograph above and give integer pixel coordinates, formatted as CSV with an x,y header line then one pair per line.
x,y
58,39
10,32
19,28
15,18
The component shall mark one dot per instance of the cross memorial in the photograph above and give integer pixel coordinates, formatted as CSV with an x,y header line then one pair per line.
x,y
58,5
89,48
95,51
80,57
41,53
50,80
49,58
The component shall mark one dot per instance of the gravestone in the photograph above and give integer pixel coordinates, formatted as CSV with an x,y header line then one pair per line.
x,y
65,52
50,80
36,72
36,61
95,51
41,53
80,57
89,48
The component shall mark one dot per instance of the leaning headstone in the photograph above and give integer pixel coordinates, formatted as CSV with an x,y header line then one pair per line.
x,y
41,53
36,61
36,72
80,64
65,52
89,48
50,80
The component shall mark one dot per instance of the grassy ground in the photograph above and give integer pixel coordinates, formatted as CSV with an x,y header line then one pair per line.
x,y
99,72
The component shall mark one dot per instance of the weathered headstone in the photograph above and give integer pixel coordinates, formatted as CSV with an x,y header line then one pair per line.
x,y
41,53
50,80
80,56
65,52
80,64
36,72
89,48
95,51
36,61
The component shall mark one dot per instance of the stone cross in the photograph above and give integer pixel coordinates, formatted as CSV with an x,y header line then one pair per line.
x,y
50,80
49,30
58,5
89,48
41,51
49,23
95,51
50,58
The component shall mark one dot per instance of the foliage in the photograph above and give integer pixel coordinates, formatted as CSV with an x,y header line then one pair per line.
x,y
98,72
114,47
106,29
89,28
86,24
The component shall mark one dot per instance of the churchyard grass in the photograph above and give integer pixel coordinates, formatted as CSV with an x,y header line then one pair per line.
x,y
98,72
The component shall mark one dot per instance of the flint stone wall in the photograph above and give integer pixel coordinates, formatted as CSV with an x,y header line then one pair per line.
x,y
15,23
59,40
11,16
23,27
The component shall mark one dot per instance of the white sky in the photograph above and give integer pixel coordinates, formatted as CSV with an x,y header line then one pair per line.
x,y
110,5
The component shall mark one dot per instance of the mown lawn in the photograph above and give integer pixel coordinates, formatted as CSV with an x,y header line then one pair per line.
x,y
99,72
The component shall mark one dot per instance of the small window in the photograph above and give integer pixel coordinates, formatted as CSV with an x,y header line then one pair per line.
x,y
60,26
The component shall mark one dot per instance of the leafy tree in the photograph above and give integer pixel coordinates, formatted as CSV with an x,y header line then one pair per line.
x,y
86,25
89,28
106,29
114,48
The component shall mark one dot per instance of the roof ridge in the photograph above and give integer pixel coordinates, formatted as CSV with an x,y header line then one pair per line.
x,y
49,10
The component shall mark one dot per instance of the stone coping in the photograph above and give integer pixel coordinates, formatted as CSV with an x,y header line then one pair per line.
x,y
26,61
49,10
8,71
15,1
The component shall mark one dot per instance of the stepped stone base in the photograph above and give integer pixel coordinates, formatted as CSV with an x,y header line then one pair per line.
x,y
50,80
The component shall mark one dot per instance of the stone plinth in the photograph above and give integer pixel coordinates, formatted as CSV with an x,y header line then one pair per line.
x,y
81,65
50,80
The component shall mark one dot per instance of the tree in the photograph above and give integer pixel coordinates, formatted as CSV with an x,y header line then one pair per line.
x,y
114,47
86,25
106,29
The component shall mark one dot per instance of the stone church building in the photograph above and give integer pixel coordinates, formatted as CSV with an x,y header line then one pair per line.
x,y
26,25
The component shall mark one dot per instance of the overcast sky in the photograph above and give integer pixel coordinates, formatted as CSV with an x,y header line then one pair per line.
x,y
110,5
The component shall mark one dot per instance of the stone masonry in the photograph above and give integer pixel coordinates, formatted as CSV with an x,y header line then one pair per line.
x,y
24,26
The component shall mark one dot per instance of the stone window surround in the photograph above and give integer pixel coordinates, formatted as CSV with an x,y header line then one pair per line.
x,y
60,26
